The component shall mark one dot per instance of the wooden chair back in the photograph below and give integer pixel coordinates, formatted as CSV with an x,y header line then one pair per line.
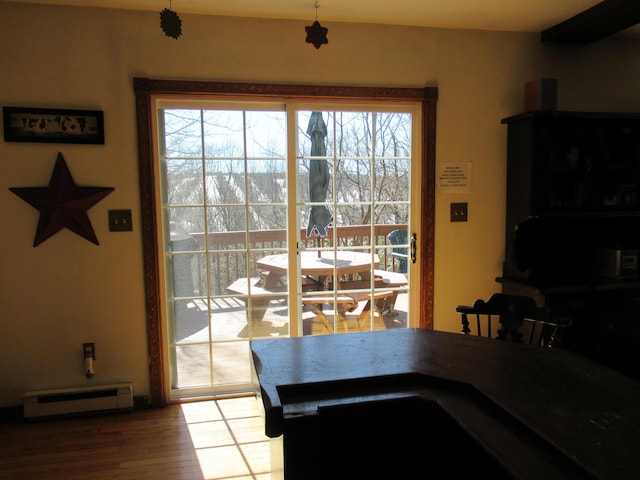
x,y
517,317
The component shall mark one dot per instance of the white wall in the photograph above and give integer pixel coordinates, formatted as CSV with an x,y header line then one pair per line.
x,y
68,291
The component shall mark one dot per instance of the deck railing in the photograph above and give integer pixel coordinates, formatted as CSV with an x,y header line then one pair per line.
x,y
230,249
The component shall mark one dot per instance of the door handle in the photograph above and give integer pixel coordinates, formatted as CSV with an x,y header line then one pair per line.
x,y
414,247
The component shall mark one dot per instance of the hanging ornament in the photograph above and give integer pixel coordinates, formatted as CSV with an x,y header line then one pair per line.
x,y
316,33
170,23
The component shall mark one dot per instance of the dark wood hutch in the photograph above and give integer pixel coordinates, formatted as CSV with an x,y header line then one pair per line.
x,y
573,226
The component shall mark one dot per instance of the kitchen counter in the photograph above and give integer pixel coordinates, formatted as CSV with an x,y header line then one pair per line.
x,y
406,401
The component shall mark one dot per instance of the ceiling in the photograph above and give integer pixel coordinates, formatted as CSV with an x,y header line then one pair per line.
x,y
497,15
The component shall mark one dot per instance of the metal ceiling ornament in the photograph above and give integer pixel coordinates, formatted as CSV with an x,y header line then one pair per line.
x,y
170,23
316,33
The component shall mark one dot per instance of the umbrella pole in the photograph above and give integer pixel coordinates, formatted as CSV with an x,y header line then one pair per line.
x,y
318,244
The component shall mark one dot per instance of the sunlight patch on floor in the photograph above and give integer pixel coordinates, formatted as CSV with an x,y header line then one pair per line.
x,y
228,438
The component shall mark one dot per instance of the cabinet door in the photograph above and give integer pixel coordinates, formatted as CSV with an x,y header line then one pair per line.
x,y
583,336
620,329
605,326
586,165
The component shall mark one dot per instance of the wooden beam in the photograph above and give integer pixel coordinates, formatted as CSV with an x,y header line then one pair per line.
x,y
601,20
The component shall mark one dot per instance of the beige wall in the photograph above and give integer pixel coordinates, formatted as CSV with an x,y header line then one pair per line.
x,y
67,290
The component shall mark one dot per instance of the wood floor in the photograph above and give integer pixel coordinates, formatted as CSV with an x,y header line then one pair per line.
x,y
214,439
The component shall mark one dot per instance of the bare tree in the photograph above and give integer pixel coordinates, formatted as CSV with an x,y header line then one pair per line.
x,y
230,163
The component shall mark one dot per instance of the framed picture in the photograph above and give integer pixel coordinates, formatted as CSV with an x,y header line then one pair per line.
x,y
50,125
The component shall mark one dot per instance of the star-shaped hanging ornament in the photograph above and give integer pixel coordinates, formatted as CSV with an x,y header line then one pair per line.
x,y
170,23
62,204
316,33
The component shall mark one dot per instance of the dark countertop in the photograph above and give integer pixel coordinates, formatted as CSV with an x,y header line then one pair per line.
x,y
538,411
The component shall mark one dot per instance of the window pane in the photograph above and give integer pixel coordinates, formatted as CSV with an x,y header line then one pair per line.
x,y
229,319
225,181
304,168
392,180
183,133
184,182
186,274
223,133
353,180
307,128
266,134
226,268
226,219
193,365
353,134
267,180
270,217
190,321
231,363
186,228
393,135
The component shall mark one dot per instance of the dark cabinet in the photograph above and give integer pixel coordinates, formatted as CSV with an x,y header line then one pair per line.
x,y
605,319
574,163
606,326
573,225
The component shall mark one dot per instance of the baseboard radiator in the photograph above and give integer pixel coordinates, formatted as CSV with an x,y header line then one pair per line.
x,y
78,400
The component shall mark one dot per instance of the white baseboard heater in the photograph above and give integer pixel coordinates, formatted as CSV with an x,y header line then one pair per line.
x,y
76,400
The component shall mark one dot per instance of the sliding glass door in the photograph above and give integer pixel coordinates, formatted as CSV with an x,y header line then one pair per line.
x,y
251,191
354,208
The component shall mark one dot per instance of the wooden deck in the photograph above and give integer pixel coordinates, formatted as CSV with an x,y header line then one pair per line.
x,y
228,328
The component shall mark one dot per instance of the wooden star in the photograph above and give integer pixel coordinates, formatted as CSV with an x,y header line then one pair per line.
x,y
63,204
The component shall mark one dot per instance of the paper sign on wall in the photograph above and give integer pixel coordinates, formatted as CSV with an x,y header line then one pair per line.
x,y
453,177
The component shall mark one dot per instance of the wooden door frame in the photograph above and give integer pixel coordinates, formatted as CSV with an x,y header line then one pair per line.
x,y
145,89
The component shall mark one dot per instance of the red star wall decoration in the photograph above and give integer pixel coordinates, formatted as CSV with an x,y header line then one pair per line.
x,y
63,204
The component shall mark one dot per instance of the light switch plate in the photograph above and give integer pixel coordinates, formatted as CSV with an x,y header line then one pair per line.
x,y
459,212
120,221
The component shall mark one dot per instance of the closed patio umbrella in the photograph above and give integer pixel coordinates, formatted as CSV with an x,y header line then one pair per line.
x,y
319,217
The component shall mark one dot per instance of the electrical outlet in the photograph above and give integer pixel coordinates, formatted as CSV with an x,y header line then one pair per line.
x,y
459,212
89,349
120,221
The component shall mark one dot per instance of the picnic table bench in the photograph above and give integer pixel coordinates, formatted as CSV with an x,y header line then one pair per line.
x,y
346,302
383,301
260,296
